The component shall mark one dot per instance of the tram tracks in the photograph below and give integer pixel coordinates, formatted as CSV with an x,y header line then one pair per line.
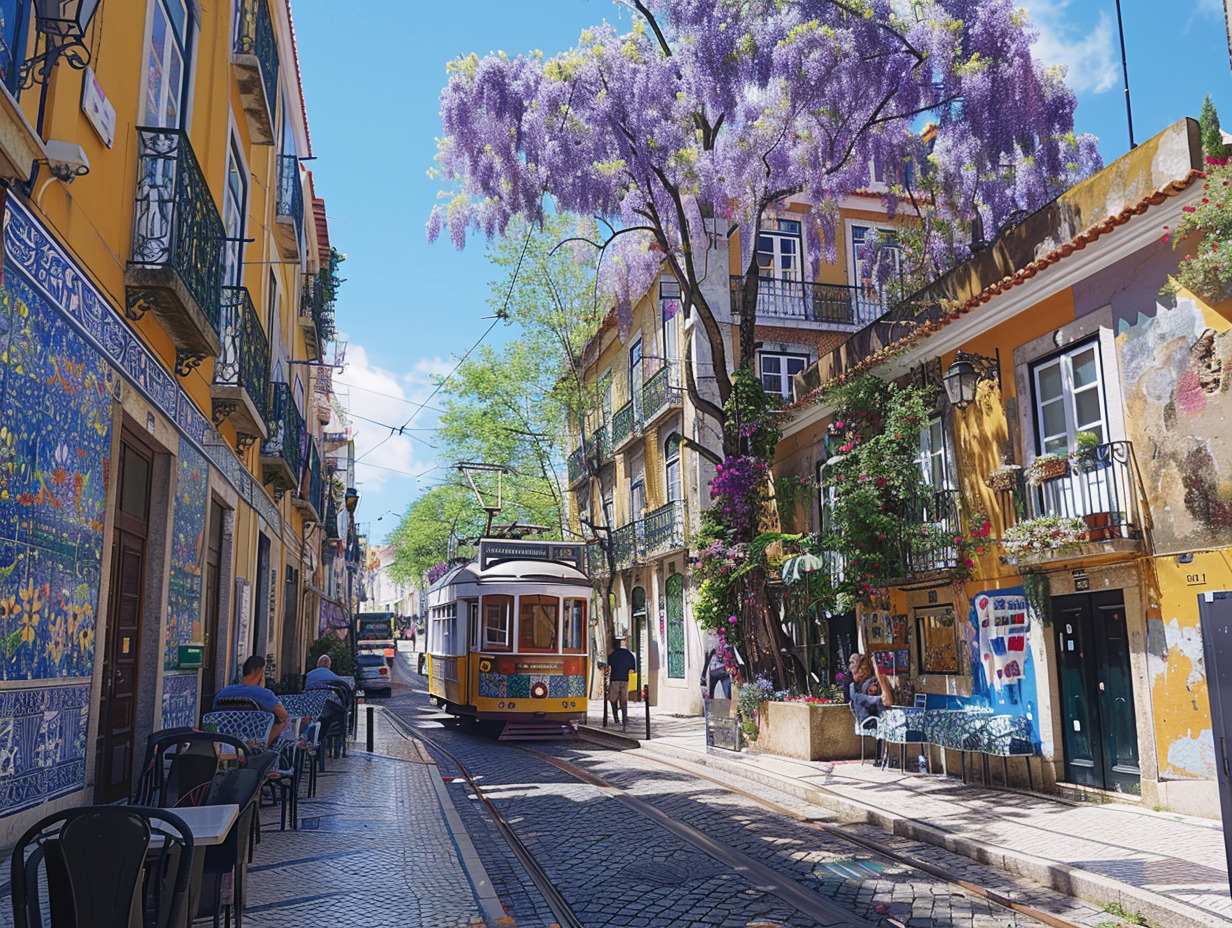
x,y
761,877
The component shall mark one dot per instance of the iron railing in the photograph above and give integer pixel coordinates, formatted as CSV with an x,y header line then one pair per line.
x,y
626,544
1101,489
316,480
291,193
576,465
809,301
243,360
255,36
286,428
661,390
315,305
596,560
664,529
930,546
626,423
175,222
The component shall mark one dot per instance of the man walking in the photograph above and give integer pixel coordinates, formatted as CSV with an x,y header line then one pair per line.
x,y
620,662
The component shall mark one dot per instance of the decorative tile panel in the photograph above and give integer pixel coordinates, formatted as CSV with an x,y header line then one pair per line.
x,y
42,744
179,700
192,484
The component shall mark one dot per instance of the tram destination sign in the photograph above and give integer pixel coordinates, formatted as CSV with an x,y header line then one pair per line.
x,y
493,552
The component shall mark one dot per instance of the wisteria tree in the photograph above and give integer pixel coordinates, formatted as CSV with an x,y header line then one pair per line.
x,y
713,111
723,108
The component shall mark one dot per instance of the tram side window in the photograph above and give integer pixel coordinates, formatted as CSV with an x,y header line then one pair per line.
x,y
497,622
537,623
472,623
573,638
443,636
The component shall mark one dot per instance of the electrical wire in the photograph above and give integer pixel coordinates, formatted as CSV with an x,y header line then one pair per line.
x,y
397,399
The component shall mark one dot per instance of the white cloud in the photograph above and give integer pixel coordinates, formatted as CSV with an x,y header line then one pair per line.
x,y
1089,55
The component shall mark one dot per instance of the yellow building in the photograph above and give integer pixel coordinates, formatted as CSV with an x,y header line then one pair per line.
x,y
167,292
641,479
1079,454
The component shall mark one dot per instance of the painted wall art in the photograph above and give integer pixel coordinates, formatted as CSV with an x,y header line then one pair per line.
x,y
42,744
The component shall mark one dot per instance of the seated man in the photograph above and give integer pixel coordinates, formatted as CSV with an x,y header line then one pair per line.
x,y
323,674
253,676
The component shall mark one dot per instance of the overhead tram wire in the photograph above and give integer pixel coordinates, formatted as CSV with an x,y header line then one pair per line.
x,y
502,314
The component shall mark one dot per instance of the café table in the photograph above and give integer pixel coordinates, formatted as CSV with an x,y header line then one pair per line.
x,y
210,827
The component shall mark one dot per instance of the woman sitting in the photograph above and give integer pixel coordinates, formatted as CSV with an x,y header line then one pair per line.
x,y
869,690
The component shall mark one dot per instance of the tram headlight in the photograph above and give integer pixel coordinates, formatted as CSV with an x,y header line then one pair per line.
x,y
485,666
500,705
539,690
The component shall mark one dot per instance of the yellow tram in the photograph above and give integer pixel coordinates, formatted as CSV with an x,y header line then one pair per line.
x,y
507,637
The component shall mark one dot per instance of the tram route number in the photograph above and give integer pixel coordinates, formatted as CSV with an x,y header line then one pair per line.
x,y
1196,579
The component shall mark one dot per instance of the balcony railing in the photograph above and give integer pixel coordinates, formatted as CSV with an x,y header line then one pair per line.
x,y
281,453
289,216
312,487
626,545
1101,488
600,449
664,529
626,423
313,312
807,301
176,266
256,59
596,561
931,548
241,373
661,391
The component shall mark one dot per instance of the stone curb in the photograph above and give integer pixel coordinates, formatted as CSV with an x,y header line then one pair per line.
x,y
1160,911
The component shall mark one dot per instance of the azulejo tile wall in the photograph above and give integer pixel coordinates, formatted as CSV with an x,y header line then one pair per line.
x,y
192,479
42,744
179,700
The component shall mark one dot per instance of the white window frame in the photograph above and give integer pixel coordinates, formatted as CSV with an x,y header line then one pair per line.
x,y
235,215
1063,361
865,289
669,291
488,640
673,473
637,371
934,453
785,389
182,46
778,262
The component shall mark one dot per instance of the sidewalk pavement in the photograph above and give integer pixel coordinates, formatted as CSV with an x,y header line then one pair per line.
x,y
1170,868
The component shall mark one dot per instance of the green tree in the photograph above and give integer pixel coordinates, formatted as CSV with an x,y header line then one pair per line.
x,y
1212,137
422,538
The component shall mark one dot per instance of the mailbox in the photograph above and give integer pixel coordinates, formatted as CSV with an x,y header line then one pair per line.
x,y
188,656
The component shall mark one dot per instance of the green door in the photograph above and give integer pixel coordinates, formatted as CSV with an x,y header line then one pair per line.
x,y
1099,725
674,589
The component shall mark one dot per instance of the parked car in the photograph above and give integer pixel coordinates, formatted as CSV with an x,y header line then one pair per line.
x,y
372,674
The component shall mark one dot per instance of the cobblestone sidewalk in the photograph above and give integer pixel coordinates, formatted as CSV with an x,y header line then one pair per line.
x,y
1167,865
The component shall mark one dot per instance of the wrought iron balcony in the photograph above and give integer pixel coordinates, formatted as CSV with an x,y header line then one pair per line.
x,y
1101,488
832,305
596,561
627,545
626,424
576,465
662,391
664,529
281,453
930,548
316,313
289,216
331,518
255,55
175,268
241,374
310,500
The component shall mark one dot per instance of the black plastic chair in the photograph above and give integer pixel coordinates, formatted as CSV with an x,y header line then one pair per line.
x,y
101,868
335,737
181,765
242,787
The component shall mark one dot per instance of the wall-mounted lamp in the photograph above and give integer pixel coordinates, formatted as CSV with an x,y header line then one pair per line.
x,y
63,24
964,374
351,499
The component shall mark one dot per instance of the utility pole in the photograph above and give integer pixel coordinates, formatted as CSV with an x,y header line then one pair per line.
x,y
1129,112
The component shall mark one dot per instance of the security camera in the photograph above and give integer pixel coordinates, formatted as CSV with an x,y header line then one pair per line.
x,y
66,160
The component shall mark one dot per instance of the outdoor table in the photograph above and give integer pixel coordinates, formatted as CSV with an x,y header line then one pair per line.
x,y
210,826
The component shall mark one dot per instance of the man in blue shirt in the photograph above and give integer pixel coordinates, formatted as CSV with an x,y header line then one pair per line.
x,y
322,674
253,676
620,662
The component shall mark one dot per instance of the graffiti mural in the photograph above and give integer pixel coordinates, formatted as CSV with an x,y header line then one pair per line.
x,y
42,744
179,700
192,483
1176,370
55,406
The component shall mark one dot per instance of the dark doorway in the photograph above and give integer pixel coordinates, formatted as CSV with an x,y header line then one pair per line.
x,y
213,601
290,659
261,593
1098,722
1215,615
125,604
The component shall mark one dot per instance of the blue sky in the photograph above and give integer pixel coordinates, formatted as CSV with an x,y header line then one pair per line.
x,y
408,309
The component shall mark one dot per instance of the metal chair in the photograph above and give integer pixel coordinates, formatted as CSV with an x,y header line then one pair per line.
x,y
180,766
100,867
253,728
335,736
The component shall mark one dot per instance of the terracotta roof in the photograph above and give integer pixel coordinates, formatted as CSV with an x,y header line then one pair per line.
x,y
1077,243
299,79
322,224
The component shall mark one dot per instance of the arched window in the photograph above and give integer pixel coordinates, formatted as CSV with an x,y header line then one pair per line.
x,y
671,457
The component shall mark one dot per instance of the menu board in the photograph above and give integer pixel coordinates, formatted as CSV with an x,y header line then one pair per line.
x,y
1004,624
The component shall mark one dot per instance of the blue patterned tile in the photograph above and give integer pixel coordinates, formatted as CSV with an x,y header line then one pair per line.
x,y
179,700
42,744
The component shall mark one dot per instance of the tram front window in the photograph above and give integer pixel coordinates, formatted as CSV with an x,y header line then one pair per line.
x,y
497,622
573,639
537,623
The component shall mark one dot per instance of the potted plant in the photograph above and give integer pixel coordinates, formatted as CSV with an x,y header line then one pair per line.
x,y
1003,478
1048,467
1086,445
1044,535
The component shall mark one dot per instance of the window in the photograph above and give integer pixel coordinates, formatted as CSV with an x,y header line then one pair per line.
x,y
669,305
497,623
234,208
778,250
671,457
609,508
937,634
12,41
472,623
637,494
166,66
443,637
537,623
777,370
934,455
1069,398
863,274
635,373
574,638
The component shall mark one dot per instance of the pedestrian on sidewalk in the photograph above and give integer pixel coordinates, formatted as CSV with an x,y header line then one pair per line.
x,y
869,690
620,663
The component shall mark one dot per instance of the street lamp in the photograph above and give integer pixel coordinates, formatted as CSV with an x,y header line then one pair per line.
x,y
351,499
964,375
66,19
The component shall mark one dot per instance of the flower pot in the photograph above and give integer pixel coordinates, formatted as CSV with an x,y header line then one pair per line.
x,y
1002,482
807,731
1049,469
1100,526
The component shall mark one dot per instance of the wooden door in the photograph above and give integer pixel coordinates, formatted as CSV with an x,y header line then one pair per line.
x,y
1215,613
213,599
125,605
